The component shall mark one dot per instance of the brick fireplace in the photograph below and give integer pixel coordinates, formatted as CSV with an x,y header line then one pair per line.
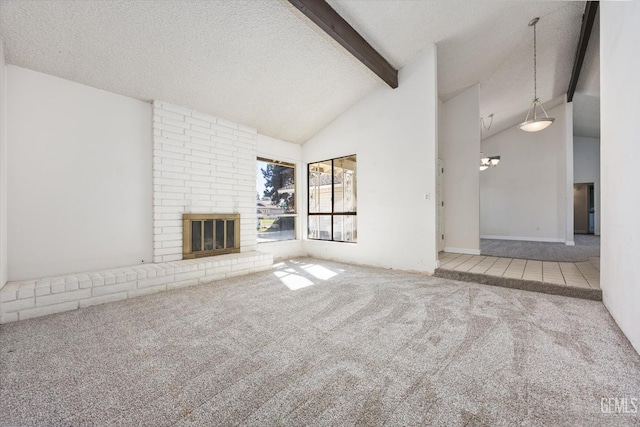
x,y
202,165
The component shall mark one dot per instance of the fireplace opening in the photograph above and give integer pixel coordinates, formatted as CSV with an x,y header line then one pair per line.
x,y
210,234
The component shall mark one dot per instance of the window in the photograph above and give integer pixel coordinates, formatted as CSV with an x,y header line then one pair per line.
x,y
332,200
275,200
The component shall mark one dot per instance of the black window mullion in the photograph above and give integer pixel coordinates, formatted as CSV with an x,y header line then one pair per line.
x,y
332,197
332,213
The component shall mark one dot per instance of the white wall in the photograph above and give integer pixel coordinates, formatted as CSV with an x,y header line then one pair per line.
x,y
79,177
620,157
276,149
459,142
3,171
524,197
567,145
393,132
586,168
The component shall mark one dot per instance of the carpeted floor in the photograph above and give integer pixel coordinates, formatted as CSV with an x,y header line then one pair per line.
x,y
321,343
586,246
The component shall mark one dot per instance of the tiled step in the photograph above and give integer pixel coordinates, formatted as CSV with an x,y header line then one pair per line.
x,y
522,284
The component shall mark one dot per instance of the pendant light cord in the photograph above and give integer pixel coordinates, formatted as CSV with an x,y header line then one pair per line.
x,y
535,74
535,124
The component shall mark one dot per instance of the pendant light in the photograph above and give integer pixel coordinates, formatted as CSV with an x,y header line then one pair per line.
x,y
487,162
535,123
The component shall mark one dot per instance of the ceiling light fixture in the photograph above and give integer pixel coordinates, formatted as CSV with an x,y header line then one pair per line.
x,y
535,123
490,122
488,162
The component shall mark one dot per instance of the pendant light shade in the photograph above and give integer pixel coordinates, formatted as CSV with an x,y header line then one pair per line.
x,y
533,123
536,123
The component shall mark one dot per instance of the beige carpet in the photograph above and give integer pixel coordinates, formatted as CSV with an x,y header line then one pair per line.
x,y
321,343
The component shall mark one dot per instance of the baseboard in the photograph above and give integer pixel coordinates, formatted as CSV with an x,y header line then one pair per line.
x,y
526,239
462,251
570,243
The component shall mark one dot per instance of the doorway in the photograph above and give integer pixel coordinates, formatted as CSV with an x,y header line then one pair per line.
x,y
584,208
440,211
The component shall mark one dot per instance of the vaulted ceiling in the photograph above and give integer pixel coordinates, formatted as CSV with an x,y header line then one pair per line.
x,y
483,42
264,64
586,101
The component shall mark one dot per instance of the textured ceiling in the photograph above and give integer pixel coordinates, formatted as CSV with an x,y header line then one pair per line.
x,y
259,63
263,64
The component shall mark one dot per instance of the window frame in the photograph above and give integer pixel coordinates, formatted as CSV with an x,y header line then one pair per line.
x,y
295,193
332,213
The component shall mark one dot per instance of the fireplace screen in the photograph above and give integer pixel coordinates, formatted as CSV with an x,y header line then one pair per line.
x,y
210,234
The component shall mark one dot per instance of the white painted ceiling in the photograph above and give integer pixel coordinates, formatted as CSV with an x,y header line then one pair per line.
x,y
263,64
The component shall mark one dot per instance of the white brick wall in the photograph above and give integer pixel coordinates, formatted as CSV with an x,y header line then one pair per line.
x,y
201,164
34,298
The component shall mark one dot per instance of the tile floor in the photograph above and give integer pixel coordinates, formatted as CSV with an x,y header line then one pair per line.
x,y
584,274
